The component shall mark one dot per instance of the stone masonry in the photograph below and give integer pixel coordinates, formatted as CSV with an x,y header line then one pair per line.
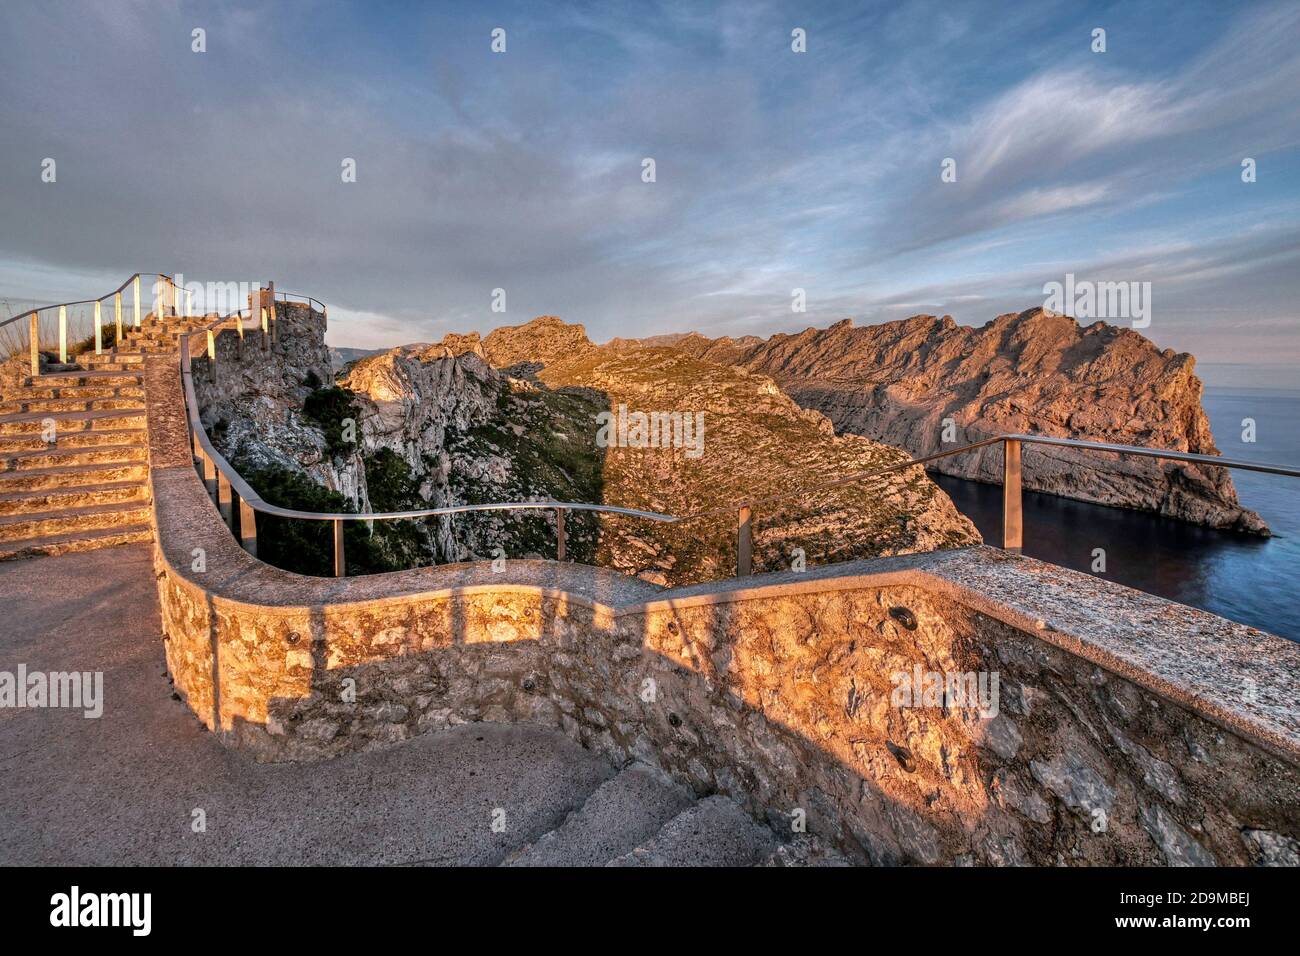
x,y
1128,730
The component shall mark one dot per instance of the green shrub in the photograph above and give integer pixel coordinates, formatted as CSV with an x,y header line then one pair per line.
x,y
307,547
330,408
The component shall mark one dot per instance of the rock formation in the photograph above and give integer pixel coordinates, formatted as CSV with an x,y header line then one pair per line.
x,y
1035,372
517,416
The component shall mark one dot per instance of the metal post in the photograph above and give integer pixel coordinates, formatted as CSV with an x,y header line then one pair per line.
x,y
117,317
99,332
135,292
36,343
1012,515
212,355
340,562
745,541
239,343
247,528
265,329
224,500
63,335
560,536
210,475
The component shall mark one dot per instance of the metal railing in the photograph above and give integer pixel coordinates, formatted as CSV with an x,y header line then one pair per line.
x,y
316,303
233,496
71,328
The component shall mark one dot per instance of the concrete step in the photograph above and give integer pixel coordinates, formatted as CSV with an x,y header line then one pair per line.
x,y
81,439
90,376
71,476
20,406
78,541
56,457
623,812
30,392
26,423
713,832
117,357
86,518
117,366
107,493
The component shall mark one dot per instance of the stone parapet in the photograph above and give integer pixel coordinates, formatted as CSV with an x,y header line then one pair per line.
x,y
1125,729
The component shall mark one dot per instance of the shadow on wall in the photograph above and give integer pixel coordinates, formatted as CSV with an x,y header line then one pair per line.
x,y
786,704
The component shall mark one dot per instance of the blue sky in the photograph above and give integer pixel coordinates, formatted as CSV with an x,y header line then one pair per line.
x,y
775,170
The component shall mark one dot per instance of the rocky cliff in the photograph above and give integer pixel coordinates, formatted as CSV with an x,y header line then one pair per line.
x,y
1035,372
756,442
518,416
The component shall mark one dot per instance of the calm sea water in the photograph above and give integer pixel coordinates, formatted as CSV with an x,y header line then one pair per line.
x,y
1247,579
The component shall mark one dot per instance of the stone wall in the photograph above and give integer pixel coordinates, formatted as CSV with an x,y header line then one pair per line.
x,y
1128,730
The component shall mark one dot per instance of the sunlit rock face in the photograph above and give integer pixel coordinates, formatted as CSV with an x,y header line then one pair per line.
x,y
752,442
517,416
1035,372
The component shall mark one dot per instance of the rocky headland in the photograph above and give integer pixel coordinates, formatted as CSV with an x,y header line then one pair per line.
x,y
516,416
927,383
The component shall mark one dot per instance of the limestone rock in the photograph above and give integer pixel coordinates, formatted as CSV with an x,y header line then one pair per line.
x,y
1033,372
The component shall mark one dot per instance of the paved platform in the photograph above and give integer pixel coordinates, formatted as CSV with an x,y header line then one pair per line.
x,y
123,788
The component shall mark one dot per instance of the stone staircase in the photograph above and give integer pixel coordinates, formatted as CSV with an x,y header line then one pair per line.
x,y
640,818
88,488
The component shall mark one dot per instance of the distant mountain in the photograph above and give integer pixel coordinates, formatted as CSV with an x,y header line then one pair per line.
x,y
340,357
1034,372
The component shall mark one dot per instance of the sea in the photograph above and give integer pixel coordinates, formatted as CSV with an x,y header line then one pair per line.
x,y
1244,578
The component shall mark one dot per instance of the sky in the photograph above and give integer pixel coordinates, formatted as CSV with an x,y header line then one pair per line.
x,y
774,170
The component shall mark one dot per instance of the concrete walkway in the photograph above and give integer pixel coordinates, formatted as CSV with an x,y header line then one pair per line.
x,y
123,788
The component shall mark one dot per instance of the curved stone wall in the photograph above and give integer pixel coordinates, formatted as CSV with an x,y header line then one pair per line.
x,y
1125,729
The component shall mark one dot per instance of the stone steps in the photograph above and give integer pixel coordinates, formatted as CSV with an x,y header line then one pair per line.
x,y
77,520
713,832
621,814
79,439
52,499
71,476
59,456
47,405
83,391
50,545
89,377
640,817
120,361
24,423
89,487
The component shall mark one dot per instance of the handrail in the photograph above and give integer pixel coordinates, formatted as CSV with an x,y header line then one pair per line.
x,y
1137,450
299,295
55,305
230,489
33,315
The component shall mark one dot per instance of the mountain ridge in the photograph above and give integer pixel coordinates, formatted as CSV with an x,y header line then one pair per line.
x,y
1032,372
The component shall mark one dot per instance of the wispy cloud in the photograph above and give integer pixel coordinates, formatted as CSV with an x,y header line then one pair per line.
x,y
775,170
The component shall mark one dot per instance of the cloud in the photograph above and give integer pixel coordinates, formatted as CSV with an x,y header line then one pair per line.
x,y
523,171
